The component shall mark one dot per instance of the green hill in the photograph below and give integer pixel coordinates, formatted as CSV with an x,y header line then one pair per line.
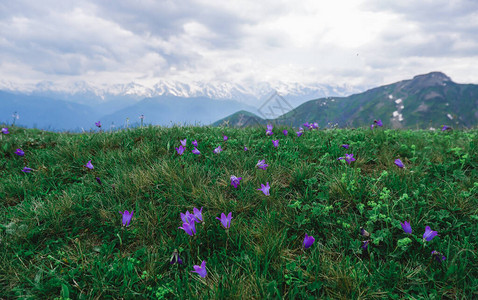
x,y
62,234
429,100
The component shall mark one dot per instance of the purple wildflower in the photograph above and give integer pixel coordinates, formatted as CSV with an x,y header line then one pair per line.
x,y
225,221
346,146
180,150
189,228
98,180
300,132
406,227
89,165
188,217
27,170
19,152
195,143
285,132
306,124
364,232
196,151
127,217
225,137
444,127
269,130
348,158
315,125
198,214
175,258
201,270
308,241
5,130
261,164
183,142
371,126
399,163
275,143
218,149
98,124
235,181
245,148
365,245
379,122
429,234
265,189
438,256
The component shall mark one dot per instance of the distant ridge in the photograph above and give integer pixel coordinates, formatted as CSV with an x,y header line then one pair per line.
x,y
425,101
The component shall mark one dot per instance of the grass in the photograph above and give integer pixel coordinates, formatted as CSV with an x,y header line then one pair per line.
x,y
61,234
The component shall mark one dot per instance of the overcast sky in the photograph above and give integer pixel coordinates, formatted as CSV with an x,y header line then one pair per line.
x,y
359,43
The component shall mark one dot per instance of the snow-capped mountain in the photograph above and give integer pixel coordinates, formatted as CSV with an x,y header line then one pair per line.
x,y
85,92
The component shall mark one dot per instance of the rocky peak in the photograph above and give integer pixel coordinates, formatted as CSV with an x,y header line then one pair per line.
x,y
430,79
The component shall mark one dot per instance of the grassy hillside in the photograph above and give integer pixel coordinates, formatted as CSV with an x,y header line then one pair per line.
x,y
61,233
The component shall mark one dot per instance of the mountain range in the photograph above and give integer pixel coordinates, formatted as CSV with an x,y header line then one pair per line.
x,y
423,102
77,106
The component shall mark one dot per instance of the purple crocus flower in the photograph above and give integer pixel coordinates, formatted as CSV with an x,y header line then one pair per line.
x,y
189,228
285,132
218,149
188,217
235,181
399,163
19,152
180,150
27,170
196,151
245,148
315,125
261,164
265,189
429,234
444,127
201,270
348,158
406,227
275,143
364,232
306,124
225,137
379,122
308,241
269,130
183,142
198,214
127,217
346,146
371,126
300,132
89,165
98,124
365,245
5,130
195,143
225,221
175,258
438,256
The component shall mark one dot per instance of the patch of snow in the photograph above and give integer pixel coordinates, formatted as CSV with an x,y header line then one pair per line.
x,y
390,96
400,117
402,107
398,101
449,116
447,104
395,114
432,128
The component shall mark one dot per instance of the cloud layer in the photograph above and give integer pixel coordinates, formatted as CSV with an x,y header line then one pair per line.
x,y
361,43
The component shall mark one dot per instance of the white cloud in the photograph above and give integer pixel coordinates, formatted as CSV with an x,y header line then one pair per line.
x,y
365,43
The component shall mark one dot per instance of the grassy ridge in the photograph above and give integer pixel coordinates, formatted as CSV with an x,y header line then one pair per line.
x,y
61,232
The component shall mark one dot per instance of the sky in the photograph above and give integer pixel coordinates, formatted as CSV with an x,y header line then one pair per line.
x,y
358,43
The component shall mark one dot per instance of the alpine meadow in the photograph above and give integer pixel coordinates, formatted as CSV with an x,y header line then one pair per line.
x,y
239,213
